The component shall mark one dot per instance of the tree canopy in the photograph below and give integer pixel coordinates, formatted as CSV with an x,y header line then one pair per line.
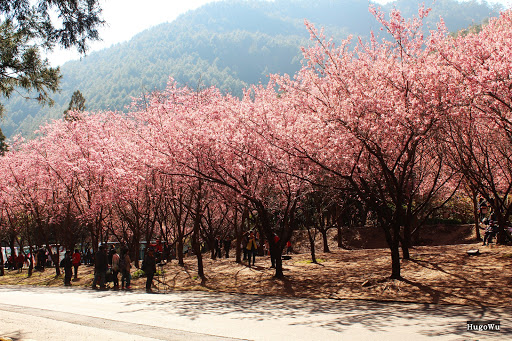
x,y
27,28
396,124
226,44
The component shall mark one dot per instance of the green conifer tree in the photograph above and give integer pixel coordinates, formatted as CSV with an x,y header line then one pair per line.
x,y
77,103
29,27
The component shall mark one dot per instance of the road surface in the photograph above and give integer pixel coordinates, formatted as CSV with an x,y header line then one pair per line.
x,y
41,313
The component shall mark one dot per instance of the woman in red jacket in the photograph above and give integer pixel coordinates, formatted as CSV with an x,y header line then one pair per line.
x,y
75,259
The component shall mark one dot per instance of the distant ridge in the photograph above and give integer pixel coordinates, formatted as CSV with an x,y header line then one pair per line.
x,y
229,44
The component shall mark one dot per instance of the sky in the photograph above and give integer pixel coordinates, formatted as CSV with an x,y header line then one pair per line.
x,y
126,18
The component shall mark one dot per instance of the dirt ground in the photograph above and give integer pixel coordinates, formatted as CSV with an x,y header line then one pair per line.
x,y
443,274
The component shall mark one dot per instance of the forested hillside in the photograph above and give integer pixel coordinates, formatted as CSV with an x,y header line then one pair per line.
x,y
229,44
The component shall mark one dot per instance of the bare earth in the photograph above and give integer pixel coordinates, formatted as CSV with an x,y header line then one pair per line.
x,y
443,274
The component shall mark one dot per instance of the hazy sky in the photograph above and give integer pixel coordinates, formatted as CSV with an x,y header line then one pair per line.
x,y
125,18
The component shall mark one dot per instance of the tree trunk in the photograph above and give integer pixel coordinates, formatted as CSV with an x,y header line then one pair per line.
x,y
406,242
31,251
395,254
338,237
196,237
476,217
395,262
238,241
279,265
325,240
2,262
136,244
13,250
30,261
312,246
239,232
179,249
392,234
94,238
199,256
55,259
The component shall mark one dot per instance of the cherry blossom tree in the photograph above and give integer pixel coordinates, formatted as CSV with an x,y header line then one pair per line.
x,y
31,191
481,135
209,139
371,117
77,154
392,126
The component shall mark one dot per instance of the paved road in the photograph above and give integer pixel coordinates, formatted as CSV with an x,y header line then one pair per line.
x,y
39,313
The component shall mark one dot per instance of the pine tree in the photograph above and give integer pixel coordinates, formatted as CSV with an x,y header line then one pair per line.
x,y
29,27
3,145
77,103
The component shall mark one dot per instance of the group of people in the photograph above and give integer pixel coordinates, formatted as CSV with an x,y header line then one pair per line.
x,y
15,262
250,248
219,243
491,230
69,262
107,266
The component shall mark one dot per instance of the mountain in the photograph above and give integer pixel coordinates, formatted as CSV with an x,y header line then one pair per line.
x,y
229,44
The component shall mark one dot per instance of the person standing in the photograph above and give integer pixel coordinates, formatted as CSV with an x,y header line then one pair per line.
x,y
67,264
273,254
20,259
88,257
227,245
110,254
115,269
100,268
149,267
41,257
483,208
252,248
75,259
216,246
243,246
288,247
125,264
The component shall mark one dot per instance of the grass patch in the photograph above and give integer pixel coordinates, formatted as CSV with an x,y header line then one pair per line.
x,y
140,273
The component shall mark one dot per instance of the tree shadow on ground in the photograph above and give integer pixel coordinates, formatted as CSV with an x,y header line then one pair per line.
x,y
334,315
331,315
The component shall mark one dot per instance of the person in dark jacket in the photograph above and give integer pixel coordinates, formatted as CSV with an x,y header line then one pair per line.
x,y
41,257
111,252
88,257
149,267
216,247
100,268
227,245
67,264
